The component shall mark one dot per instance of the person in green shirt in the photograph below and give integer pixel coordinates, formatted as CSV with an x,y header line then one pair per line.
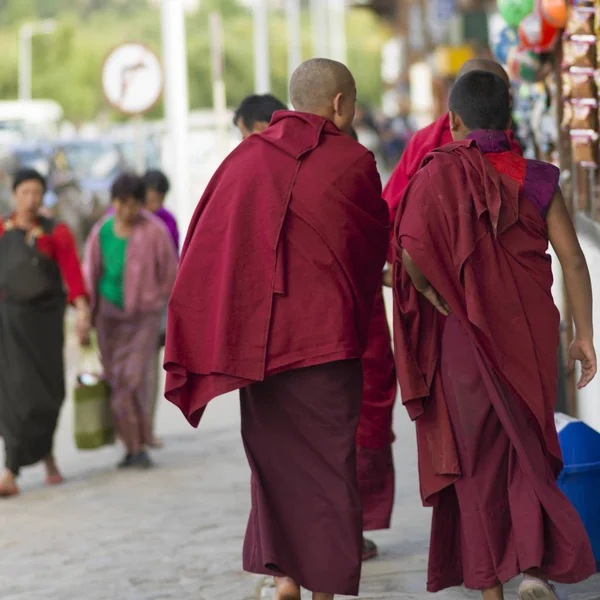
x,y
113,248
131,264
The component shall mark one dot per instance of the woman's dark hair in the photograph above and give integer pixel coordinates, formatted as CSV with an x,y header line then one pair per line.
x,y
23,175
482,100
257,109
157,180
128,185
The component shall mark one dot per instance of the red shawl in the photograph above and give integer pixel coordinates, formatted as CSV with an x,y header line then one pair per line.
x,y
484,248
239,299
422,143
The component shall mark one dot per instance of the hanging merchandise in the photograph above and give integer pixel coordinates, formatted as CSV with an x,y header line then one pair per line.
x,y
513,11
537,34
507,38
555,12
580,83
525,66
581,23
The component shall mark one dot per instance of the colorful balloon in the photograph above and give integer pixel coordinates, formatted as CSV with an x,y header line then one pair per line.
x,y
537,34
508,38
555,12
514,11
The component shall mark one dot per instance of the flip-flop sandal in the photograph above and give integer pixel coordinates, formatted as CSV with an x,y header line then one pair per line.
x,y
54,479
369,550
536,589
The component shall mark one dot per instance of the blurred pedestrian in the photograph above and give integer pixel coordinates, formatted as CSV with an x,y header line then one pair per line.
x,y
434,136
130,267
274,297
39,274
157,188
255,112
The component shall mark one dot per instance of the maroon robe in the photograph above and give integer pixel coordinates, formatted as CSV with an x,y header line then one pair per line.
x,y
481,384
274,295
375,434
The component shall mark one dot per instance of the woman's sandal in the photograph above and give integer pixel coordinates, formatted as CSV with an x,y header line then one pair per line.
x,y
55,479
9,491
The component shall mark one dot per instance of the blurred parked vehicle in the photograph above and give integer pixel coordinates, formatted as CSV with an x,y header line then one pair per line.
x,y
22,120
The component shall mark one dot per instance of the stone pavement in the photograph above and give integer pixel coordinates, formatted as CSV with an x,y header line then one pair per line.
x,y
176,532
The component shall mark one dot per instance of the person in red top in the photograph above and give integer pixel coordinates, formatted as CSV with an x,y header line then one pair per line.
x,y
431,137
39,274
476,335
274,297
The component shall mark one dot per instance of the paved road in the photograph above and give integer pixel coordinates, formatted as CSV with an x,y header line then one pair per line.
x,y
175,532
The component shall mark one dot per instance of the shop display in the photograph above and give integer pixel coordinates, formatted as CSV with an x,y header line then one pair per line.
x,y
525,65
555,12
514,11
507,39
537,34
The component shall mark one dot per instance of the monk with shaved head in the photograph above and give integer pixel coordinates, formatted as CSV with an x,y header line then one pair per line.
x,y
274,296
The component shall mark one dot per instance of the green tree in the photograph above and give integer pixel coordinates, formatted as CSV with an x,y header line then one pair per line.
x,y
67,64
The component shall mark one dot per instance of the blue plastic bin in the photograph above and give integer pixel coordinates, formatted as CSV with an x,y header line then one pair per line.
x,y
580,478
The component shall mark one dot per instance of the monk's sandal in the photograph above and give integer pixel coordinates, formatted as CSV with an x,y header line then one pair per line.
x,y
536,589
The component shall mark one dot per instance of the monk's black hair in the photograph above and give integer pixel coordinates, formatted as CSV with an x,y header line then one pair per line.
x,y
482,100
157,180
257,109
128,185
23,175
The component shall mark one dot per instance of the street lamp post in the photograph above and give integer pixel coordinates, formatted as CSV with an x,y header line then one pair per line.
x,y
319,31
176,101
294,24
337,30
26,33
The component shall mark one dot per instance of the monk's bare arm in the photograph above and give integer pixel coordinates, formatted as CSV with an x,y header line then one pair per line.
x,y
563,238
422,285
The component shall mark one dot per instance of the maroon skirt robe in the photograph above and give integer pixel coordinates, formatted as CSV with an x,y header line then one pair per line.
x,y
375,435
299,432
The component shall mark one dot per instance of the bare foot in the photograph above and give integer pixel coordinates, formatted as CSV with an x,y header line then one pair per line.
x,y
156,444
8,484
322,596
286,589
53,475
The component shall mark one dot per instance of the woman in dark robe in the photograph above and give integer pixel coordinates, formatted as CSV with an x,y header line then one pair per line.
x,y
39,274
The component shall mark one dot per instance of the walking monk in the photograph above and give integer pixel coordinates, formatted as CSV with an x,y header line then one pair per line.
x,y
476,337
274,297
374,436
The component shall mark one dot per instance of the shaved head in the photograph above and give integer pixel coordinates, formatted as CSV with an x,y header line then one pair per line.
x,y
483,64
316,83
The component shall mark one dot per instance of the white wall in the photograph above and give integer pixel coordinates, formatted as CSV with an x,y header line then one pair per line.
x,y
589,398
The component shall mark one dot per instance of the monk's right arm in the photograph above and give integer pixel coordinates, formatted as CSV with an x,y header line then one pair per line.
x,y
563,238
